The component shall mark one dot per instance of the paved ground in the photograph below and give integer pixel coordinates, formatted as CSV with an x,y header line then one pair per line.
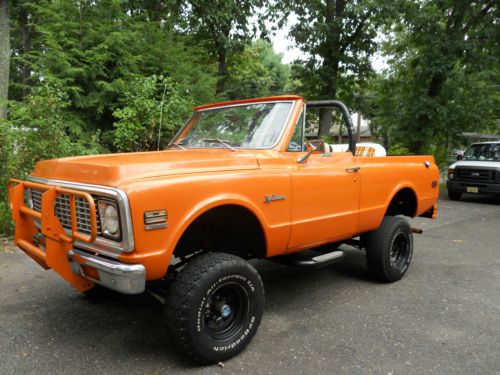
x,y
443,317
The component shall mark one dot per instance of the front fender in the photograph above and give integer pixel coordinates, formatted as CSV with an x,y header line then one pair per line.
x,y
208,204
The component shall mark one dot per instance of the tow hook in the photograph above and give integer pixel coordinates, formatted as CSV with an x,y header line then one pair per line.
x,y
417,230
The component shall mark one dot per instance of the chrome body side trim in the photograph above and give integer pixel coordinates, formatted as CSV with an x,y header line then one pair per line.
x,y
102,245
123,278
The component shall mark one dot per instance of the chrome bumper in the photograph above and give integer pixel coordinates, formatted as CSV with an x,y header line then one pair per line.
x,y
123,278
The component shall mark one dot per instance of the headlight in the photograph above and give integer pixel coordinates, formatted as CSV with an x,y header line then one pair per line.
x,y
451,173
110,220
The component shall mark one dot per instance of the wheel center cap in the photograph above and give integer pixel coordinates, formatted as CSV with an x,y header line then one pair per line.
x,y
225,311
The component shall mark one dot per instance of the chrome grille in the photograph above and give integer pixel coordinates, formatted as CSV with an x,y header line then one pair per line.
x,y
62,211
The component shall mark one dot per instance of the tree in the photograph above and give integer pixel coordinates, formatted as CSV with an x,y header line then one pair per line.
x,y
4,57
257,71
337,38
94,50
225,27
153,107
444,73
22,36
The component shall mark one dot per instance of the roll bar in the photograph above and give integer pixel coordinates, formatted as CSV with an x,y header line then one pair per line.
x,y
345,114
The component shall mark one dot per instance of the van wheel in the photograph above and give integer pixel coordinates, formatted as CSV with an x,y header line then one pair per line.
x,y
454,195
390,249
214,307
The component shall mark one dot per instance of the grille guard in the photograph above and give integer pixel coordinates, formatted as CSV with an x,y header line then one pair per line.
x,y
57,240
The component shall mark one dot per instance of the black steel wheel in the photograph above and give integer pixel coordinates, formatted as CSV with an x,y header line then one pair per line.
x,y
225,310
390,249
214,307
400,250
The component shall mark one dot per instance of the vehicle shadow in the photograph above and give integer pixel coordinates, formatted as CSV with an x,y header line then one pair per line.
x,y
124,327
480,199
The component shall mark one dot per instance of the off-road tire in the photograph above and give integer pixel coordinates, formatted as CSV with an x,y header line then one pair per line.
x,y
454,195
390,249
190,321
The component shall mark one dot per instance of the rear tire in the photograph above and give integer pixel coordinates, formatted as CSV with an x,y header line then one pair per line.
x,y
454,195
214,307
390,249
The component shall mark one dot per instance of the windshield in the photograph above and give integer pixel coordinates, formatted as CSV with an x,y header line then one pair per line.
x,y
483,152
243,126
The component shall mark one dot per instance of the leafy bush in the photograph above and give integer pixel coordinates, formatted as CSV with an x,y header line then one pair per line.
x,y
42,127
149,103
398,149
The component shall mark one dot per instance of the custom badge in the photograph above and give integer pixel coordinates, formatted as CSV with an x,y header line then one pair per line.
x,y
271,198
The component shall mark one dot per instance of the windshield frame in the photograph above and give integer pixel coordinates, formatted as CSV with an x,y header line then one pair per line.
x,y
186,127
491,144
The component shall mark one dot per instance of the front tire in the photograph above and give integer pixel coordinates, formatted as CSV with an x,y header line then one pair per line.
x,y
214,307
454,195
390,249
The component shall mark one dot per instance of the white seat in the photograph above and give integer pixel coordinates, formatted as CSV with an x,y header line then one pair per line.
x,y
363,149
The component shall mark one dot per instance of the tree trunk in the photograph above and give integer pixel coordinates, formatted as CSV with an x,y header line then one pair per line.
x,y
325,121
221,72
4,57
27,37
419,146
358,128
330,70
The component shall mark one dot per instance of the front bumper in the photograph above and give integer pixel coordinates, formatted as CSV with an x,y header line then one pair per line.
x,y
483,188
53,246
123,278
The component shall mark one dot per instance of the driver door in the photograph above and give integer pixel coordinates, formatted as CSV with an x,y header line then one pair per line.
x,y
325,197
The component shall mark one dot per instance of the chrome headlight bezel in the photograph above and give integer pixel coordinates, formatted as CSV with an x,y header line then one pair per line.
x,y
106,246
107,229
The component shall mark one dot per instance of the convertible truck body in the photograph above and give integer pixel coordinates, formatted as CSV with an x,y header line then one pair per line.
x,y
123,220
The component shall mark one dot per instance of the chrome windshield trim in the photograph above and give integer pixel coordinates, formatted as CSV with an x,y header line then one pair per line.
x,y
181,130
102,245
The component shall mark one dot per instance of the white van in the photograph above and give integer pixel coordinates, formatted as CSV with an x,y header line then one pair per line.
x,y
476,172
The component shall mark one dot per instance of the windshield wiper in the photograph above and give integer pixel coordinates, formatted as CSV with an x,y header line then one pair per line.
x,y
178,145
222,142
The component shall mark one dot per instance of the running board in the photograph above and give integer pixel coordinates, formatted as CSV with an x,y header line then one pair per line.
x,y
309,259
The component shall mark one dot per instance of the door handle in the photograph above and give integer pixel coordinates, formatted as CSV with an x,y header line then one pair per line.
x,y
353,169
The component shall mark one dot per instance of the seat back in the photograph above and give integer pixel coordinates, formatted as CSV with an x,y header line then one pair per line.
x,y
363,149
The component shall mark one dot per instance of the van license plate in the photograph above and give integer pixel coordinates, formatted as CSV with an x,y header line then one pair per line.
x,y
471,189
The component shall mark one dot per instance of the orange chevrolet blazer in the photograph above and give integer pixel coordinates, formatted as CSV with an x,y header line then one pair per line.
x,y
241,180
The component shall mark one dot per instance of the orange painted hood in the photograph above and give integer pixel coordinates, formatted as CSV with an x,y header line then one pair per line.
x,y
116,169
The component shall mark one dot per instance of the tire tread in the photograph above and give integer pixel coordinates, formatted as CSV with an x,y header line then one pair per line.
x,y
188,282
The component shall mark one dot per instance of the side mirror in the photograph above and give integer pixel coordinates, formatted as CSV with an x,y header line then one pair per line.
x,y
460,157
310,149
313,147
316,146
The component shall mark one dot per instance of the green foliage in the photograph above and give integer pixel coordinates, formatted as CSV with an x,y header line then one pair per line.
x,y
398,150
6,224
147,101
224,27
257,71
337,39
443,76
40,128
95,49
